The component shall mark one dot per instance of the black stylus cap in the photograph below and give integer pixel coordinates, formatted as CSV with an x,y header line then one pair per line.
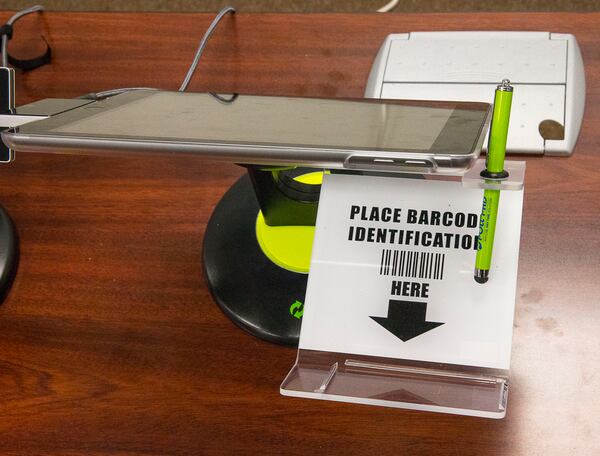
x,y
481,275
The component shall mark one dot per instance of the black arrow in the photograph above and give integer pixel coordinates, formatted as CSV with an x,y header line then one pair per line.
x,y
406,319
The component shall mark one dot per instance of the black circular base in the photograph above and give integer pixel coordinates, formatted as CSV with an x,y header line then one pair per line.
x,y
254,292
8,253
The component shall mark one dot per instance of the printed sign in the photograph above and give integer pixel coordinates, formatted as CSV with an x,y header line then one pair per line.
x,y
392,272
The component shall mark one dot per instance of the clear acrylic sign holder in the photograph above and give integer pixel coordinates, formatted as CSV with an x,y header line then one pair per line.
x,y
403,383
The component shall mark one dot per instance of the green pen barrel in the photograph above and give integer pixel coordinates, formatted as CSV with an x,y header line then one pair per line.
x,y
494,164
487,230
494,161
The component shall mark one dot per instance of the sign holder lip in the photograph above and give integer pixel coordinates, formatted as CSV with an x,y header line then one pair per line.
x,y
388,382
407,383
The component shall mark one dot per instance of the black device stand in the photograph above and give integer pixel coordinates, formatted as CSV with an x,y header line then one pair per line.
x,y
8,237
258,295
8,253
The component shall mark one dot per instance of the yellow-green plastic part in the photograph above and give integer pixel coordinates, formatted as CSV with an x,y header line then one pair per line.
x,y
494,162
289,247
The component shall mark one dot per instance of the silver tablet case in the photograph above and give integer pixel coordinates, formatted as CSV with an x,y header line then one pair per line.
x,y
42,136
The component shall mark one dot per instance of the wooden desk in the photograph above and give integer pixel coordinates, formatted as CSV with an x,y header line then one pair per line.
x,y
109,340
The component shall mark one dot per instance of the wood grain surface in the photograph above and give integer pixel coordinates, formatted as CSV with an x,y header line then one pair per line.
x,y
109,340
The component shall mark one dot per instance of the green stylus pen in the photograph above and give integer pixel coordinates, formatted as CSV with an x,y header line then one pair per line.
x,y
494,169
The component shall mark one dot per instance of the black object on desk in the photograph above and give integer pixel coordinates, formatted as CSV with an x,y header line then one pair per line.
x,y
8,253
8,237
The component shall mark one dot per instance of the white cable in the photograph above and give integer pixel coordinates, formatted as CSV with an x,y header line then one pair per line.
x,y
190,73
202,45
389,6
11,21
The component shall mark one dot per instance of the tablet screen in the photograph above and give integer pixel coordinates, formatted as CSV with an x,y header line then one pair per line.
x,y
277,121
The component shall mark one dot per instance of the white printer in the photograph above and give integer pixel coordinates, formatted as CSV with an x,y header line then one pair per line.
x,y
546,70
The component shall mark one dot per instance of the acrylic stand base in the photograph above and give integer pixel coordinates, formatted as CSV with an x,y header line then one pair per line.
x,y
8,253
403,383
251,290
398,383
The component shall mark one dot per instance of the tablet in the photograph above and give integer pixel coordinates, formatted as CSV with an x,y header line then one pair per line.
x,y
384,135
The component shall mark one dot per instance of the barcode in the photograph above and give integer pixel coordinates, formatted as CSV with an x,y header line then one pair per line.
x,y
416,265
